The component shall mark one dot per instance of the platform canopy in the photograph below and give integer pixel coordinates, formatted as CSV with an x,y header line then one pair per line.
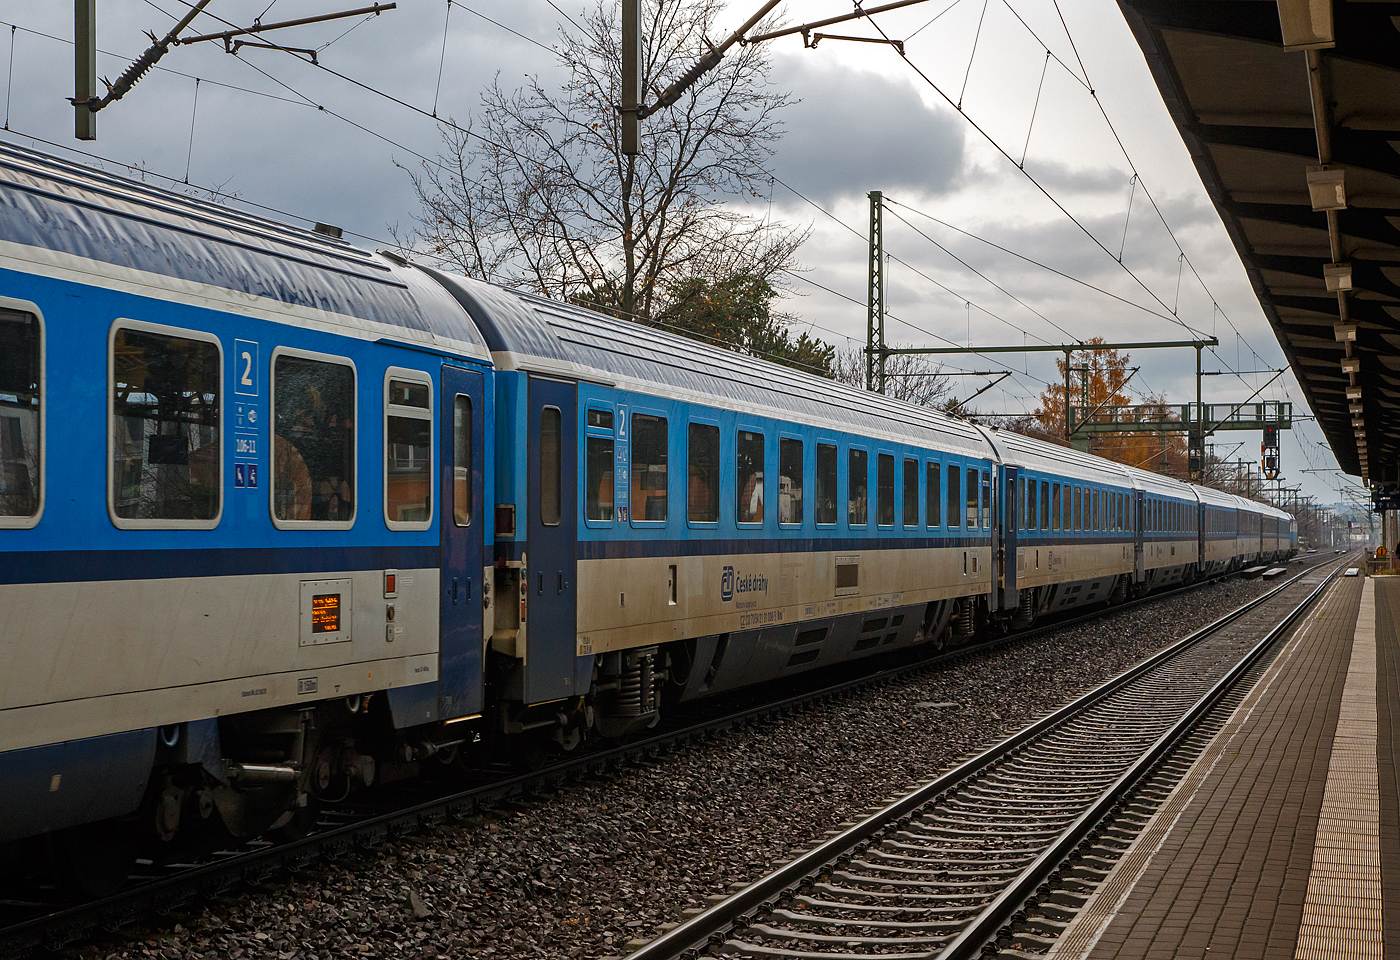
x,y
1289,108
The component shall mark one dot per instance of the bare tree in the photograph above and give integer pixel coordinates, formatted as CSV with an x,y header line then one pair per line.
x,y
910,377
540,195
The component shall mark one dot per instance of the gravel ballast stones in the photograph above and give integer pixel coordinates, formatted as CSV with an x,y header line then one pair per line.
x,y
595,865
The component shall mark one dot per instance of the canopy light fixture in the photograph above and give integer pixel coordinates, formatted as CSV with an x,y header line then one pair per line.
x,y
1307,24
1327,187
1353,393
1351,364
1337,276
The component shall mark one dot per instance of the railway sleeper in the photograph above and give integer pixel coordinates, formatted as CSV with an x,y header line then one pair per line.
x,y
960,907
776,933
951,926
932,875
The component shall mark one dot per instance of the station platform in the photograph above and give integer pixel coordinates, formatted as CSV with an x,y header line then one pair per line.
x,y
1283,840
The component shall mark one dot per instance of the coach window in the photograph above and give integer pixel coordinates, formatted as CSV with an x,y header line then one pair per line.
x,y
933,493
702,497
827,459
21,418
954,496
462,460
598,486
1079,508
749,463
1094,506
911,492
1030,504
857,487
313,443
972,521
790,470
165,428
650,438
1045,499
408,451
1055,506
986,501
551,466
884,489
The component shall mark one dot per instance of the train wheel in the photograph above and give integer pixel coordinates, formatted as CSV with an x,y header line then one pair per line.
x,y
94,860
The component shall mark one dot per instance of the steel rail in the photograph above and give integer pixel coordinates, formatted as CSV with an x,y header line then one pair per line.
x,y
708,927
210,880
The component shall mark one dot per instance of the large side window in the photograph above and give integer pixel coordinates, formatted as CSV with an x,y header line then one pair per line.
x,y
313,441
986,501
166,463
408,452
748,460
1055,502
884,490
954,495
1076,508
649,476
1031,497
911,492
702,498
933,493
598,485
858,488
1045,505
789,480
1021,503
972,521
827,507
21,363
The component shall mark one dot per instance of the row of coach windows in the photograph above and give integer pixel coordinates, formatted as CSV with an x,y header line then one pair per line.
x,y
797,494
1047,505
165,433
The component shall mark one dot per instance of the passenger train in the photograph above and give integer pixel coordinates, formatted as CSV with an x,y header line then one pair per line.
x,y
281,519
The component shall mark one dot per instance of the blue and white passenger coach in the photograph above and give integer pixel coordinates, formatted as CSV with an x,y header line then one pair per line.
x,y
281,519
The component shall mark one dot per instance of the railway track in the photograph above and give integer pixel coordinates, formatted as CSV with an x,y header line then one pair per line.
x,y
975,861
27,925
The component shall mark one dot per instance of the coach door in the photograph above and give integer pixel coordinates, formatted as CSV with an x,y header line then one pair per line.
x,y
461,426
1010,523
550,635
1140,527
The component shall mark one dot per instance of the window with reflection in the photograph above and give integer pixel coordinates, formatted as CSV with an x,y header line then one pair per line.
x,y
408,452
649,474
857,488
165,427
827,460
551,466
702,497
933,494
313,444
790,469
911,492
748,461
462,460
884,490
20,366
954,495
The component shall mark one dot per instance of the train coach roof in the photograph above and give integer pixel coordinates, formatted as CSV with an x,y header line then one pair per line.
x,y
115,224
1033,454
1215,498
526,332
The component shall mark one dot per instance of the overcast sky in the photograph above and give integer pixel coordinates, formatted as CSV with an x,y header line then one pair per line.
x,y
281,133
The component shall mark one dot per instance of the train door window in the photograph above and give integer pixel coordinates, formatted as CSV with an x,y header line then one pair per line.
x,y
1055,502
1031,497
21,417
972,520
313,443
954,496
551,466
827,510
1020,503
166,468
599,484
749,476
702,496
911,492
857,487
462,460
884,489
790,475
650,477
933,494
1045,499
408,450
986,501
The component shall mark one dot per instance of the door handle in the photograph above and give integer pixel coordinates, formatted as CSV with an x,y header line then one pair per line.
x,y
469,590
561,582
540,590
454,591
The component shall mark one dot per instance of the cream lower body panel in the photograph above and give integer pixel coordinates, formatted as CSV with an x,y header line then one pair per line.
x,y
1047,565
86,659
628,602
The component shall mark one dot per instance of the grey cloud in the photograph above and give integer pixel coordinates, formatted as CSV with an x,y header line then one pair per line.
x,y
856,131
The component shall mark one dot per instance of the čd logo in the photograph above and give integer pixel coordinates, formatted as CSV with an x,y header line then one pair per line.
x,y
726,584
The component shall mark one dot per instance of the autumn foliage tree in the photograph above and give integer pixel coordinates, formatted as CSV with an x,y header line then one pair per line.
x,y
1098,379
